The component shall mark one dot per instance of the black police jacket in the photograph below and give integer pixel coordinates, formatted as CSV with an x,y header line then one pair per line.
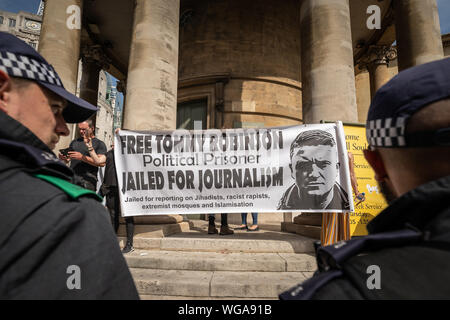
x,y
54,244
405,256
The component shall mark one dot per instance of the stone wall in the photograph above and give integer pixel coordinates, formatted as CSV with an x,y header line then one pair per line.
x,y
257,45
261,103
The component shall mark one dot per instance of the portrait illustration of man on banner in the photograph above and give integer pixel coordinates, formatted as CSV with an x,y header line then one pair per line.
x,y
314,168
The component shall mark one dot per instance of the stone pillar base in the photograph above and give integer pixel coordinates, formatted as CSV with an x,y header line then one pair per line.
x,y
307,218
154,231
156,219
303,230
306,224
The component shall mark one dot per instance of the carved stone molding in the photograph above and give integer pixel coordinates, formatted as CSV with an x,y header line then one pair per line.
x,y
378,55
95,54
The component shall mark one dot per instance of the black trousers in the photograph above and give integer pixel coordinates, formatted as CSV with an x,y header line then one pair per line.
x,y
113,205
223,219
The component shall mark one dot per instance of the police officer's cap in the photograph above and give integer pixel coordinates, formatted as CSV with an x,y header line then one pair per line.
x,y
20,60
405,94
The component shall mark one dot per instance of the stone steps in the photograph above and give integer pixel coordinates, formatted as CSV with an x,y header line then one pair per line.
x,y
194,265
264,241
216,261
215,284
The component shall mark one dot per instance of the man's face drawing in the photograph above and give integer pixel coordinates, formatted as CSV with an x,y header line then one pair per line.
x,y
314,169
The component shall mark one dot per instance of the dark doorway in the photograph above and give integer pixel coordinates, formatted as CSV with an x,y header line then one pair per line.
x,y
187,113
190,111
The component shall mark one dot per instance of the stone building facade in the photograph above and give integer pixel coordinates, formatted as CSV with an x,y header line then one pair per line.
x,y
24,25
238,63
105,116
27,26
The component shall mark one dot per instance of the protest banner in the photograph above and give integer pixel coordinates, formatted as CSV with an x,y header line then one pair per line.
x,y
286,169
374,203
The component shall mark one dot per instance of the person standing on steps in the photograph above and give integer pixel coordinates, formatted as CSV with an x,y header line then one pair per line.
x,y
224,228
110,189
86,154
244,226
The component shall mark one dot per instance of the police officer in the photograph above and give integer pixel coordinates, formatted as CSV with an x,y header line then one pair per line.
x,y
56,241
407,252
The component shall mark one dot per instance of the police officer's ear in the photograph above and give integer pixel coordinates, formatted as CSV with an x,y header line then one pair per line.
x,y
5,87
373,157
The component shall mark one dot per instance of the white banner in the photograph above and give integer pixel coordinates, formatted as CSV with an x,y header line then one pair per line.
x,y
286,169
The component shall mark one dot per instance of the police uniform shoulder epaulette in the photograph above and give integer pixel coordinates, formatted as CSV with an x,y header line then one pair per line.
x,y
330,259
34,157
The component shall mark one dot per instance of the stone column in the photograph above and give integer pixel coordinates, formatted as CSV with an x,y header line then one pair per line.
x,y
328,78
93,61
362,83
152,79
418,32
59,44
377,63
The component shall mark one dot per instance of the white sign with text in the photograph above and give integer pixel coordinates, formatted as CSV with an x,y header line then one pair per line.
x,y
286,169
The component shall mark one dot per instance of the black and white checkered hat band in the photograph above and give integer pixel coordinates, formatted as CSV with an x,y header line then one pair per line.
x,y
389,132
24,67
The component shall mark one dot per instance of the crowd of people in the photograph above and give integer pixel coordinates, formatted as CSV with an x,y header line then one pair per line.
x,y
52,218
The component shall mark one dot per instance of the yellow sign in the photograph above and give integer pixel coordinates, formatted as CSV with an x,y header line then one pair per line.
x,y
355,137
